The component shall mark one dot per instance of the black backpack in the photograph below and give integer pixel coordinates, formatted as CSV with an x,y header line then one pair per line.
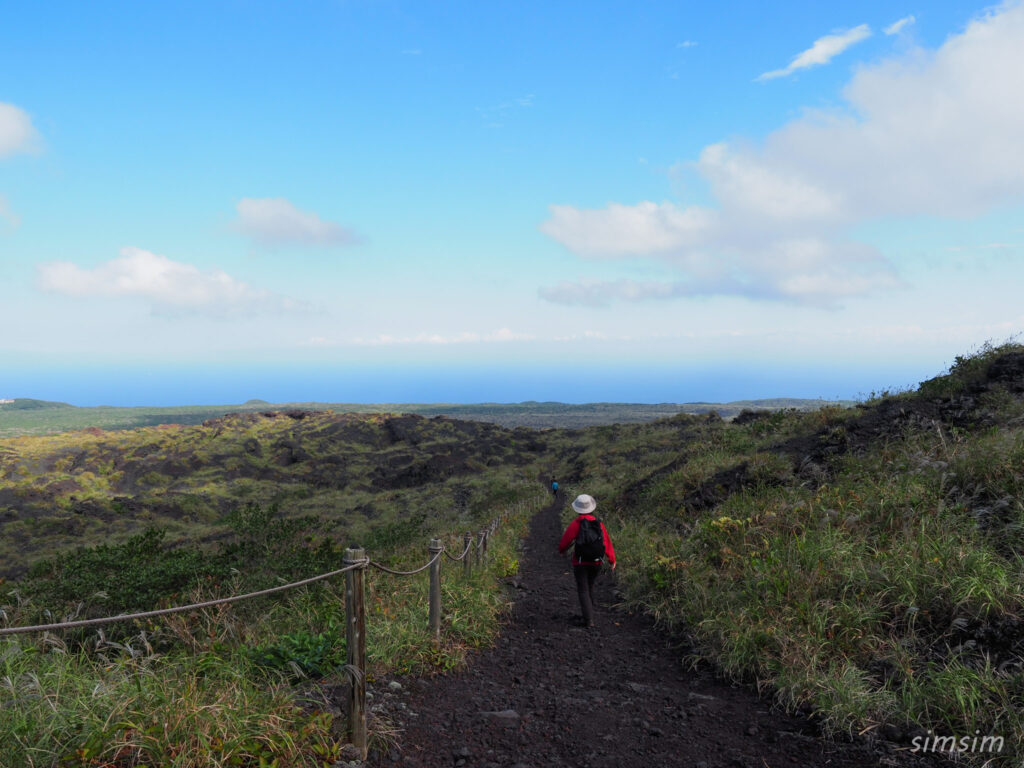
x,y
589,541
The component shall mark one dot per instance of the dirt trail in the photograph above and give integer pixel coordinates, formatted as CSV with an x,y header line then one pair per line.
x,y
553,694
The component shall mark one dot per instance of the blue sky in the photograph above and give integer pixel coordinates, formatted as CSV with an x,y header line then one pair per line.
x,y
378,201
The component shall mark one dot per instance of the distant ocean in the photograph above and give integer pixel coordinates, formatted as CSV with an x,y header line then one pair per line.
x,y
216,385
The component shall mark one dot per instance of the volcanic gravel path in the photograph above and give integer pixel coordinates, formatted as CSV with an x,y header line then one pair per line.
x,y
553,694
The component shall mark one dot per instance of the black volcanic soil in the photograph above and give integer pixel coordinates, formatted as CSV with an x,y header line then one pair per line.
x,y
553,694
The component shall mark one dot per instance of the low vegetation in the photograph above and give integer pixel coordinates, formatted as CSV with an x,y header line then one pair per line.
x,y
39,417
258,682
356,474
863,564
252,683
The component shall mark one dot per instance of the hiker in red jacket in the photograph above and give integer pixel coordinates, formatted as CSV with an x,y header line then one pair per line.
x,y
592,547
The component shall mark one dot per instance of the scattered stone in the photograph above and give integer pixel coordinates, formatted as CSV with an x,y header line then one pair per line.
x,y
351,753
506,717
700,697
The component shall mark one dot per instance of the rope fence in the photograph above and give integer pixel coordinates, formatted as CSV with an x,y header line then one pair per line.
x,y
355,564
385,569
176,609
469,545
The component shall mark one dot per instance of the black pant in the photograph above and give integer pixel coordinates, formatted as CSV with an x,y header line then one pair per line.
x,y
586,575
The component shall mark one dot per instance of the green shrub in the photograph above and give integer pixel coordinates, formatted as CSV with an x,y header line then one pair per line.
x,y
967,370
131,576
302,654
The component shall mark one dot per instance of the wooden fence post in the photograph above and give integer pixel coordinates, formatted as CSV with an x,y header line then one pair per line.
x,y
355,619
435,589
467,548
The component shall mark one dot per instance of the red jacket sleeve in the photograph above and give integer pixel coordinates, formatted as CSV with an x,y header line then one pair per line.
x,y
570,535
609,551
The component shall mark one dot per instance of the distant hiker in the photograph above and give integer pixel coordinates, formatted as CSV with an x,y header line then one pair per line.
x,y
591,547
554,487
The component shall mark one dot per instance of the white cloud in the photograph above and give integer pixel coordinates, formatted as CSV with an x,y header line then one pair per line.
x,y
595,336
760,188
925,134
9,220
500,335
274,221
318,341
805,271
686,44
619,230
599,293
822,52
170,287
16,131
897,26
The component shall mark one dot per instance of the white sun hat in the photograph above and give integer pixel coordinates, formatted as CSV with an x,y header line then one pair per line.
x,y
584,504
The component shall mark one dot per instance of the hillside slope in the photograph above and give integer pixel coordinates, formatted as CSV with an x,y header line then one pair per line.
x,y
863,563
357,471
36,417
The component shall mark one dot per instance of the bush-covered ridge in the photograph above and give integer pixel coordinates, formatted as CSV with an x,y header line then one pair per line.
x,y
28,404
37,417
863,563
354,471
249,684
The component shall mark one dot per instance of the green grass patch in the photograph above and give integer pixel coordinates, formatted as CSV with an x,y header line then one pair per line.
x,y
223,686
888,589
